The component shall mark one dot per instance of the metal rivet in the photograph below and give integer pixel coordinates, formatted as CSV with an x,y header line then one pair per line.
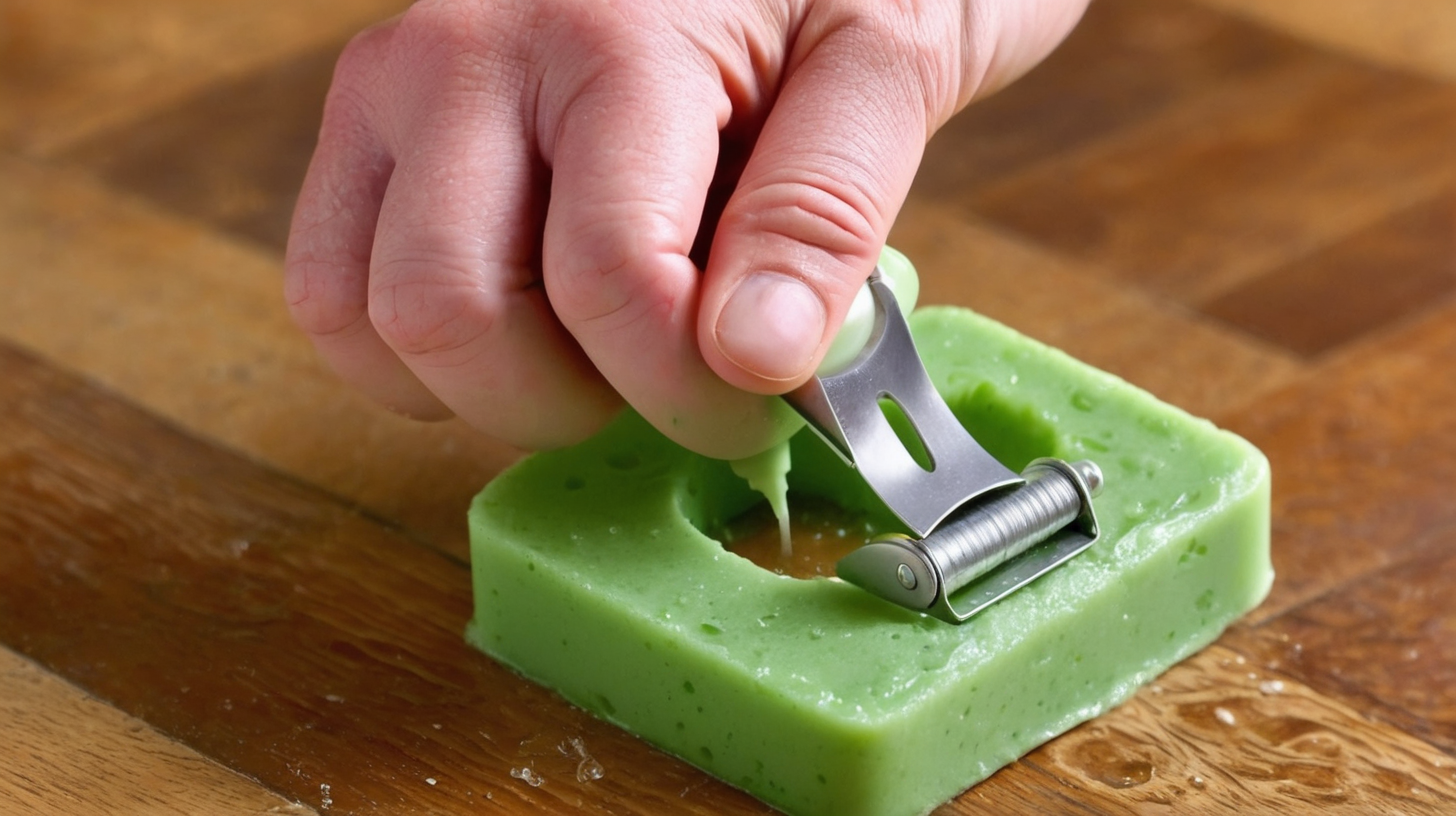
x,y
906,576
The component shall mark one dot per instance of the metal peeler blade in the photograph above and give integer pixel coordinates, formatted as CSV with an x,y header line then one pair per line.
x,y
974,523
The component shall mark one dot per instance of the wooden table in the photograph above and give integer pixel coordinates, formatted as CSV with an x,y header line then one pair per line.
x,y
227,584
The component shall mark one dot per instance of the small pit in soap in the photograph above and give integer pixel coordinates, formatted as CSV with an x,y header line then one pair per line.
x,y
821,531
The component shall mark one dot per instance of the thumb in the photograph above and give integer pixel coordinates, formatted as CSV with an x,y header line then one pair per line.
x,y
830,169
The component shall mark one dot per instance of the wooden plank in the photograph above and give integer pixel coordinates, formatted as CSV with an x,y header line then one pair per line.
x,y
1247,177
233,155
1385,644
1395,270
194,326
1068,305
1126,62
275,629
71,71
1416,35
62,753
1364,454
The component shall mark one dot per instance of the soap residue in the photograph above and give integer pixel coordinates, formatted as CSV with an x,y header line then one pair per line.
x,y
768,473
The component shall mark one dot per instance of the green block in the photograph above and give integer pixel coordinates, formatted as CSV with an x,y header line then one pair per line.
x,y
593,576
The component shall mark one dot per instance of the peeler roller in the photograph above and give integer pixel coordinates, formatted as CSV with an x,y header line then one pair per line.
x,y
977,531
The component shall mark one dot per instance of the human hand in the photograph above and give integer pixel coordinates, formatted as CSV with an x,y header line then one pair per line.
x,y
520,210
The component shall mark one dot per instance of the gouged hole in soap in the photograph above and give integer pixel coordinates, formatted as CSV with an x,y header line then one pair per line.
x,y
822,533
1013,433
905,431
831,511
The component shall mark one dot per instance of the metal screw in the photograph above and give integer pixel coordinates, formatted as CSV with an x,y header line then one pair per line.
x,y
906,576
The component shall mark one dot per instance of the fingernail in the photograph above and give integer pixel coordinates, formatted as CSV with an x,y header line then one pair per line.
x,y
771,326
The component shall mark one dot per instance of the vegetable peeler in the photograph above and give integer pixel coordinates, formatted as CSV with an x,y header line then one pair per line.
x,y
977,530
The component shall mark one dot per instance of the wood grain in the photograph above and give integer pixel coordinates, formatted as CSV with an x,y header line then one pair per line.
x,y
1216,735
71,70
1416,37
63,753
193,324
1374,278
232,155
1385,643
1364,454
1068,305
1240,179
275,629
1125,63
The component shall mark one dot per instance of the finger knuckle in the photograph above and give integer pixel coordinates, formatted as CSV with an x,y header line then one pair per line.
x,y
323,299
432,308
615,276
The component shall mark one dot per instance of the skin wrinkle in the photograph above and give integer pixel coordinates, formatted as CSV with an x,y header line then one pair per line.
x,y
416,317
839,228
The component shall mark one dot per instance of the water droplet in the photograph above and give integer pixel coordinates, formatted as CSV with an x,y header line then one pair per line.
x,y
529,776
589,770
325,800
1224,716
1112,762
430,780
1272,687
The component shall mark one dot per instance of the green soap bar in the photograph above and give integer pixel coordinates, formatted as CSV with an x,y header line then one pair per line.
x,y
593,577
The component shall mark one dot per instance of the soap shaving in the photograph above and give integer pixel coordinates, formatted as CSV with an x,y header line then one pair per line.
x,y
768,473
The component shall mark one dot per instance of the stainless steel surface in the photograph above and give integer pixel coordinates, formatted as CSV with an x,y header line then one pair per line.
x,y
991,548
992,532
969,514
844,408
